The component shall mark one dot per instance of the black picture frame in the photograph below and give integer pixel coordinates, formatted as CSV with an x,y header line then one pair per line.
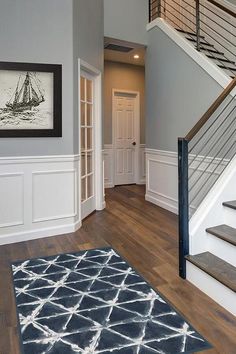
x,y
56,114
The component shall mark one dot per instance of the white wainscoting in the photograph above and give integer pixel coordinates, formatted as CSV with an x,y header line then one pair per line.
x,y
108,166
108,153
162,179
142,164
162,176
39,197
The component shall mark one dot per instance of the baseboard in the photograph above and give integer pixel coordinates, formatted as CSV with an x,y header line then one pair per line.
x,y
109,185
165,204
40,233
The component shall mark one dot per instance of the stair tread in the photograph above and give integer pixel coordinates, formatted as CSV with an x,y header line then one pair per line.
x,y
201,42
220,59
225,232
230,204
215,267
188,33
211,51
226,67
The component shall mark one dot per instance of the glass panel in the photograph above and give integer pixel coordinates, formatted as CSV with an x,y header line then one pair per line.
x,y
83,165
89,114
89,162
89,138
83,189
83,132
89,90
83,117
82,88
90,186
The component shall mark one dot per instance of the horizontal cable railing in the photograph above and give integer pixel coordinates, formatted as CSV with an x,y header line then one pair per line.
x,y
209,25
203,155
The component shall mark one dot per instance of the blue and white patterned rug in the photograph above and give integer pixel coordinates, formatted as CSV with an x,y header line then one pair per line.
x,y
94,302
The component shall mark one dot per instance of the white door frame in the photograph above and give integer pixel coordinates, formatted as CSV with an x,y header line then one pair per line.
x,y
98,152
137,129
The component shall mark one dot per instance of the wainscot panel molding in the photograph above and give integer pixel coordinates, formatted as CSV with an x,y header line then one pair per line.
x,y
108,166
108,154
162,176
162,179
39,197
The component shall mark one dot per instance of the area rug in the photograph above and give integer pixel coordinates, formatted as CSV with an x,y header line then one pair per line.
x,y
94,302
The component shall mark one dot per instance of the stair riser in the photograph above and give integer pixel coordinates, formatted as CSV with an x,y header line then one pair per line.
x,y
229,217
218,292
221,249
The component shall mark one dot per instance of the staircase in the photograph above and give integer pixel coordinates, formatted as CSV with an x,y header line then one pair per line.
x,y
207,24
207,155
218,57
221,270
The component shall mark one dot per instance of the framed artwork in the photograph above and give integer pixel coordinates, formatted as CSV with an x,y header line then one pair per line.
x,y
30,100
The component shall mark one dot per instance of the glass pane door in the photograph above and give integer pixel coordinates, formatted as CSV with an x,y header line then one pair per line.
x,y
87,144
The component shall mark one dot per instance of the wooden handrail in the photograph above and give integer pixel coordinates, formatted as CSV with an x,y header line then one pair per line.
x,y
211,110
223,8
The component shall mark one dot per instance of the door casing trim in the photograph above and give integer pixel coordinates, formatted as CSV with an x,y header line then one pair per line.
x,y
98,152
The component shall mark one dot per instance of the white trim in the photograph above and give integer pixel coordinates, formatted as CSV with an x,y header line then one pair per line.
x,y
108,155
205,63
137,129
34,212
98,166
37,159
213,288
162,176
39,233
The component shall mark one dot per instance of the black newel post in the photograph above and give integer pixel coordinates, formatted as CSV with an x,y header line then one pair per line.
x,y
183,205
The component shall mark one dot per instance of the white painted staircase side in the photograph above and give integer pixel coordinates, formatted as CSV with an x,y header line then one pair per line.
x,y
211,213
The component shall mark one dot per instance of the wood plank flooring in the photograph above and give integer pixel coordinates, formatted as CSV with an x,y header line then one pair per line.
x,y
147,237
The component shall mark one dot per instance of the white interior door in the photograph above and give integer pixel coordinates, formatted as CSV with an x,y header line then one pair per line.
x,y
125,137
88,202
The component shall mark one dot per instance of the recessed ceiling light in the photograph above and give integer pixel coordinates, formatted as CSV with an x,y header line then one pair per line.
x,y
136,56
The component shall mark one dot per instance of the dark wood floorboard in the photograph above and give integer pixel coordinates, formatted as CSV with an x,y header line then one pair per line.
x,y
147,237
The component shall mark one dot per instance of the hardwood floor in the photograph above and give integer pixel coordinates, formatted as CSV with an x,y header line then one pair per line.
x,y
147,237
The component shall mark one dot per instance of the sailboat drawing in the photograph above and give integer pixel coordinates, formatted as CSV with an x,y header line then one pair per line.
x,y
27,94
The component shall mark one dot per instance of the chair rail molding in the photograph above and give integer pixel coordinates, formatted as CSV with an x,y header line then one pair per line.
x,y
39,197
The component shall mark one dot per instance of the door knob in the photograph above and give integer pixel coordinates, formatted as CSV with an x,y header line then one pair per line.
x,y
134,143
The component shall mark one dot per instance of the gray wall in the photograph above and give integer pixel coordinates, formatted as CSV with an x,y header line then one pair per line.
x,y
88,29
40,32
56,32
126,20
123,77
178,92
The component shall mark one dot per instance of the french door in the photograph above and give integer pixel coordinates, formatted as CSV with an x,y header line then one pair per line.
x,y
87,149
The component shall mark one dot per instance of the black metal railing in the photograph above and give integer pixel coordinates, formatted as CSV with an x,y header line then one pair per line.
x,y
203,155
209,25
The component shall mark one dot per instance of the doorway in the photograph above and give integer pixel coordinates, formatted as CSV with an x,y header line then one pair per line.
x,y
126,136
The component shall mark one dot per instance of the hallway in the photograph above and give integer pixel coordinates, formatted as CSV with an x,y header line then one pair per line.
x,y
147,237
